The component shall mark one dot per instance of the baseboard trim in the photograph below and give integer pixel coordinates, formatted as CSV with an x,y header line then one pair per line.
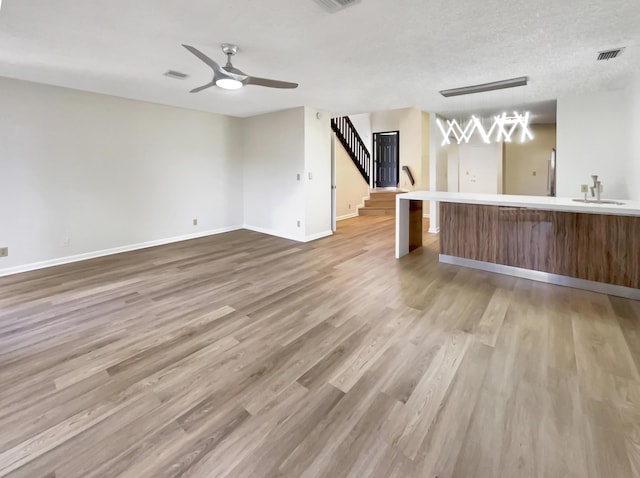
x,y
144,245
347,216
115,250
434,230
320,235
271,232
549,278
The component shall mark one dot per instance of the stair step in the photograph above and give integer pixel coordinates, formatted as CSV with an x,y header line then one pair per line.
x,y
376,211
380,202
384,195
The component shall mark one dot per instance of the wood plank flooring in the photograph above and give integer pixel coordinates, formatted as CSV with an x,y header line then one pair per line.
x,y
244,355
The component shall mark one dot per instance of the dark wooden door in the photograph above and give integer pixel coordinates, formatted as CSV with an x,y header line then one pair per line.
x,y
387,158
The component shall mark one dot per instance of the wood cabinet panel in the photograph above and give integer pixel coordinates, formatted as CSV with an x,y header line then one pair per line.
x,y
535,238
564,249
475,236
594,247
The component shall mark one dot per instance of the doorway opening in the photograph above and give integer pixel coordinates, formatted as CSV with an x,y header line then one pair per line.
x,y
386,156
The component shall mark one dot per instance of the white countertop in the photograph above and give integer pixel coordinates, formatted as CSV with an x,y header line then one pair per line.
x,y
629,208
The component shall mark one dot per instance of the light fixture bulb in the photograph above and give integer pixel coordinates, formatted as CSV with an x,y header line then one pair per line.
x,y
229,84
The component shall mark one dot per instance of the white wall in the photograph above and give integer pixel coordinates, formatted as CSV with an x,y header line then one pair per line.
x,y
441,169
426,141
453,168
274,167
597,133
409,122
425,182
351,188
82,173
317,158
287,173
633,176
437,169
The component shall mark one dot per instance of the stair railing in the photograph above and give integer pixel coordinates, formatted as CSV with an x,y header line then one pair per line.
x,y
353,144
408,171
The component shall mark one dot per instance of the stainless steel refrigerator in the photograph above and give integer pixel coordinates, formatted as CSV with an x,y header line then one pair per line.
x,y
551,176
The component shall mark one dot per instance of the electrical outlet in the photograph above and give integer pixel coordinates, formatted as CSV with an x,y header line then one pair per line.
x,y
535,173
310,176
66,242
4,251
298,223
349,206
195,222
298,176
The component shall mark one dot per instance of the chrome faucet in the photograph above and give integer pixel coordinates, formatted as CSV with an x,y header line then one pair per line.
x,y
596,189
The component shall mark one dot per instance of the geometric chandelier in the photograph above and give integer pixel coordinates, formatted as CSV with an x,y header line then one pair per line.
x,y
502,128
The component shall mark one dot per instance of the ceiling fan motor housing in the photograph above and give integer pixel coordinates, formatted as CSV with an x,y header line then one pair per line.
x,y
229,48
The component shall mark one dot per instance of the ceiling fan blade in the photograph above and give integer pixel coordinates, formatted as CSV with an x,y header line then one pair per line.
x,y
254,80
203,87
205,59
237,74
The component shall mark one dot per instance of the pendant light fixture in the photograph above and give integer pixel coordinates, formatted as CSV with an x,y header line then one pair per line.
x,y
502,128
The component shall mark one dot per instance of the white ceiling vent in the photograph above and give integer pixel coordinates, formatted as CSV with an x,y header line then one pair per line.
x,y
178,75
610,54
333,6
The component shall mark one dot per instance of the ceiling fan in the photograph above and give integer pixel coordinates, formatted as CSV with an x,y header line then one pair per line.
x,y
229,77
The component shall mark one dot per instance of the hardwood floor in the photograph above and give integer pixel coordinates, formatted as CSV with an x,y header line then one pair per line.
x,y
244,355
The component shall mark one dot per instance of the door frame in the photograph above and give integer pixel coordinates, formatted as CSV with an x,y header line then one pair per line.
x,y
375,156
333,183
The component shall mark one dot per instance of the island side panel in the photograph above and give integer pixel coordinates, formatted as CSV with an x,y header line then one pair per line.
x,y
596,247
402,227
415,225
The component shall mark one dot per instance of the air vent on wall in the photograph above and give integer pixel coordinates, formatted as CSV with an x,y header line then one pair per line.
x,y
610,54
176,75
333,6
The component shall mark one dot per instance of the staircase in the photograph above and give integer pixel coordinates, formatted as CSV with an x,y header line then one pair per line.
x,y
353,145
381,202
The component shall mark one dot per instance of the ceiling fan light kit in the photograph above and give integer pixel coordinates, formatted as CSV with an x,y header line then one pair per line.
x,y
229,77
229,84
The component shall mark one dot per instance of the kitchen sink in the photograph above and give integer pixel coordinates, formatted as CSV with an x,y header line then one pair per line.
x,y
602,201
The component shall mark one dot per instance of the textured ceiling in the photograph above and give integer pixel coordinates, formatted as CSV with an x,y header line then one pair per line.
x,y
376,55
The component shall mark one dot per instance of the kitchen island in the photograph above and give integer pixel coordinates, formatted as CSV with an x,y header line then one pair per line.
x,y
557,240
